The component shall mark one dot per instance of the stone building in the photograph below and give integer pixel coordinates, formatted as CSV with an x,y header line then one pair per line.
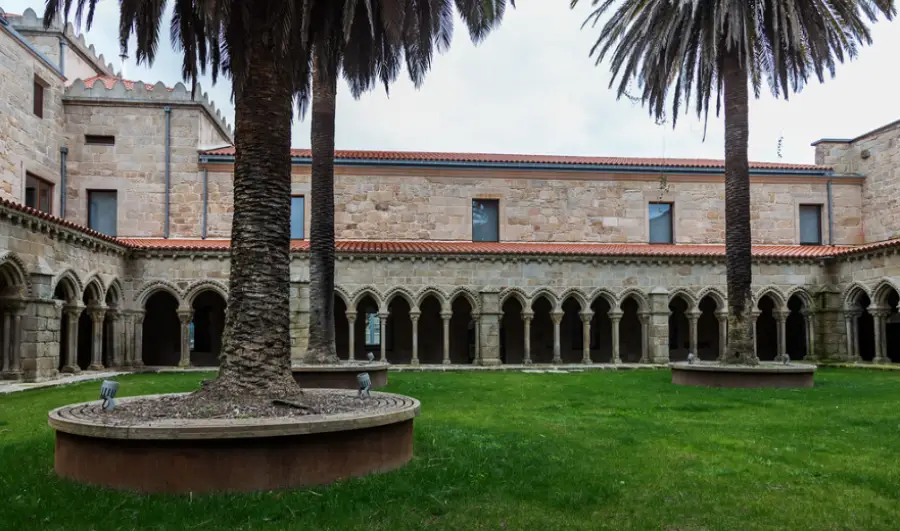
x,y
116,205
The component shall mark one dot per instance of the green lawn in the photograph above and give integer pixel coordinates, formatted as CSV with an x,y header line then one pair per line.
x,y
601,450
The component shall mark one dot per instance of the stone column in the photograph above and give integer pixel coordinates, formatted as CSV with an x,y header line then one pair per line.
x,y
12,339
445,317
527,316
477,318
185,317
351,334
693,318
755,316
809,317
98,315
73,312
879,315
137,359
489,327
645,330
112,339
414,317
382,335
586,336
556,317
781,320
615,317
722,318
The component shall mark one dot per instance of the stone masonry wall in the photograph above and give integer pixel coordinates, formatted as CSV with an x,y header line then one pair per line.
x,y
403,206
135,166
877,156
27,143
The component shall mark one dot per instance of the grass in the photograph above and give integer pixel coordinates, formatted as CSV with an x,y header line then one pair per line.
x,y
600,450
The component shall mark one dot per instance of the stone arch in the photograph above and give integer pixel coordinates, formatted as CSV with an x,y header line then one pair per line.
x,y
114,290
809,302
93,289
716,295
547,294
773,293
606,295
195,289
639,296
437,294
469,295
576,294
399,292
152,287
70,283
882,290
852,293
13,272
688,297
362,293
516,293
343,295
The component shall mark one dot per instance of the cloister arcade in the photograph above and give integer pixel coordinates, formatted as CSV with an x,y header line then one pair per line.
x,y
167,325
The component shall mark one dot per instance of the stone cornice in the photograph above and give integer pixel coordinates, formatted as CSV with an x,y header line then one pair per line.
x,y
58,229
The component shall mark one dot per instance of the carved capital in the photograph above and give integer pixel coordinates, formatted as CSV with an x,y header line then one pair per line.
x,y
722,315
138,318
556,317
781,315
73,311
694,314
446,315
615,315
586,316
527,316
351,316
185,316
414,316
97,313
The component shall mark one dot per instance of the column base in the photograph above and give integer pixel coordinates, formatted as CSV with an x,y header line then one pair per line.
x,y
11,375
617,360
446,362
557,361
137,364
586,361
71,369
490,362
184,364
414,363
528,362
95,367
880,360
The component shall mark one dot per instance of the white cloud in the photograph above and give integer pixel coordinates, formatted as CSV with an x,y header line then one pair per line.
x,y
530,87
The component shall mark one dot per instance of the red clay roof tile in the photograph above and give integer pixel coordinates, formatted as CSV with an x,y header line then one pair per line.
x,y
496,158
110,82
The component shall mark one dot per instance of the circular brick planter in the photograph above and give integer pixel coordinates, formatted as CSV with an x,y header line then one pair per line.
x,y
341,375
764,375
232,455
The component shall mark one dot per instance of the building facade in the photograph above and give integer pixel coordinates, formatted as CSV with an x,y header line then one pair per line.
x,y
116,205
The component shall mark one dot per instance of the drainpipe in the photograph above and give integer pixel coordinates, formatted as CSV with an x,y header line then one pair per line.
x,y
62,56
205,203
830,216
168,111
63,187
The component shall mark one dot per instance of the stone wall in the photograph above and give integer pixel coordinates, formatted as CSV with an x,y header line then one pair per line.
x,y
28,143
135,166
877,156
401,204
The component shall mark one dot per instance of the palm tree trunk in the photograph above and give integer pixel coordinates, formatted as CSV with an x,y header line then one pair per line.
x,y
256,343
320,348
737,213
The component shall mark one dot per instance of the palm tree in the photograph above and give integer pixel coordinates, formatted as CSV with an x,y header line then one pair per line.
x,y
366,42
678,48
260,46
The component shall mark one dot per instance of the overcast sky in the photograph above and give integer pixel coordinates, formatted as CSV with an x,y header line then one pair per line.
x,y
531,87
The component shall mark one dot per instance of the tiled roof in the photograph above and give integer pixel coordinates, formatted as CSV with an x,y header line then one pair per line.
x,y
110,82
496,158
474,248
60,221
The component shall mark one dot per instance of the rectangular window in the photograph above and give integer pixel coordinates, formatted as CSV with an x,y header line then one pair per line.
x,y
102,211
297,217
100,140
661,223
373,329
38,193
811,224
485,220
38,98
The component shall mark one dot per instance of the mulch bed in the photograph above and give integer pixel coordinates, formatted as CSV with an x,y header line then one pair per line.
x,y
205,404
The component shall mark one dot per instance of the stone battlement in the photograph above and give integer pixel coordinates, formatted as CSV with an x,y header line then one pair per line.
x,y
29,23
122,90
